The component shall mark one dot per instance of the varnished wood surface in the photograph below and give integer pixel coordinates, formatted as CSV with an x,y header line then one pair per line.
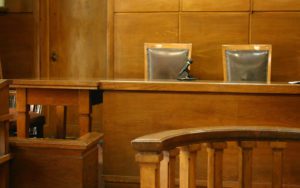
x,y
82,143
215,5
146,107
199,86
146,5
55,163
276,5
167,140
55,84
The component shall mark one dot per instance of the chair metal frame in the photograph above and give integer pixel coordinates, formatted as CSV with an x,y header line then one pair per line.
x,y
164,45
245,47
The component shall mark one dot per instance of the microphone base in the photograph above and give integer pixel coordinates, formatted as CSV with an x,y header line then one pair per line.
x,y
187,79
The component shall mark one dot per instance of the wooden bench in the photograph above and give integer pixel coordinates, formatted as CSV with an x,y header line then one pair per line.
x,y
154,148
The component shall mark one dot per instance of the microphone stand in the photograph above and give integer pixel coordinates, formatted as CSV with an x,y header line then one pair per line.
x,y
184,74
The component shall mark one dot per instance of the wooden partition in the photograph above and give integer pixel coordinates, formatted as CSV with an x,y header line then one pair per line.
x,y
55,162
5,156
207,24
135,108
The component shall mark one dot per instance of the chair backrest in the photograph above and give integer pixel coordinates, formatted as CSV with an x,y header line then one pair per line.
x,y
165,60
157,154
251,63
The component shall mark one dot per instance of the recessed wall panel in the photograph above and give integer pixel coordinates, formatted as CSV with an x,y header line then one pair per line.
x,y
132,30
215,5
146,5
282,30
276,5
207,32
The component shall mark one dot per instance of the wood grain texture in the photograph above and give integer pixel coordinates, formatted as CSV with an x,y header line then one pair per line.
x,y
19,6
215,5
276,5
5,156
281,29
209,32
17,53
54,162
146,5
142,112
132,30
82,52
199,87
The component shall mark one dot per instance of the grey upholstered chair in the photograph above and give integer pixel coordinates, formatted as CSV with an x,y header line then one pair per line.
x,y
248,63
165,60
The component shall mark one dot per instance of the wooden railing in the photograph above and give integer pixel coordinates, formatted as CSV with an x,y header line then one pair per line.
x,y
156,154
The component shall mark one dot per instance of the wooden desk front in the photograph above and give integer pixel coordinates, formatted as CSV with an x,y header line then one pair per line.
x,y
58,93
135,108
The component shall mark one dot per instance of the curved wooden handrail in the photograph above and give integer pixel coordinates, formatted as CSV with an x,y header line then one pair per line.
x,y
167,140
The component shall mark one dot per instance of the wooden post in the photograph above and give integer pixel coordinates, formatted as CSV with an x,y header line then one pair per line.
x,y
23,116
84,112
246,160
172,164
193,149
277,149
61,122
149,169
215,164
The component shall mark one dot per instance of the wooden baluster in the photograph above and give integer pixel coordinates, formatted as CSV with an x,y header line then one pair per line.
x,y
245,173
149,169
164,170
184,156
215,164
172,165
192,164
277,150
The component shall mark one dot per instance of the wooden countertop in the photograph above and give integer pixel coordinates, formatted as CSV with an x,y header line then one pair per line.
x,y
199,86
163,85
55,84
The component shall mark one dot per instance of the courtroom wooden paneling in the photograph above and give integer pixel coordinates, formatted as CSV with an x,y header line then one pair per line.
x,y
141,112
282,30
132,30
55,163
76,31
5,156
207,32
17,45
215,5
76,38
146,5
18,6
276,5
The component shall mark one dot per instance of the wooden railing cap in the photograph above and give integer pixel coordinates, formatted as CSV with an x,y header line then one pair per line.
x,y
167,140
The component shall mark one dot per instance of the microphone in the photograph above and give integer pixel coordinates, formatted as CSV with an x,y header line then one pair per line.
x,y
185,67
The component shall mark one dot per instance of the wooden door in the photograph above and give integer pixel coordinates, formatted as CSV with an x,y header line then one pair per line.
x,y
73,46
77,39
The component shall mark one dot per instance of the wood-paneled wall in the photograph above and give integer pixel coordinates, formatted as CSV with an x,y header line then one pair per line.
x,y
18,47
207,24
